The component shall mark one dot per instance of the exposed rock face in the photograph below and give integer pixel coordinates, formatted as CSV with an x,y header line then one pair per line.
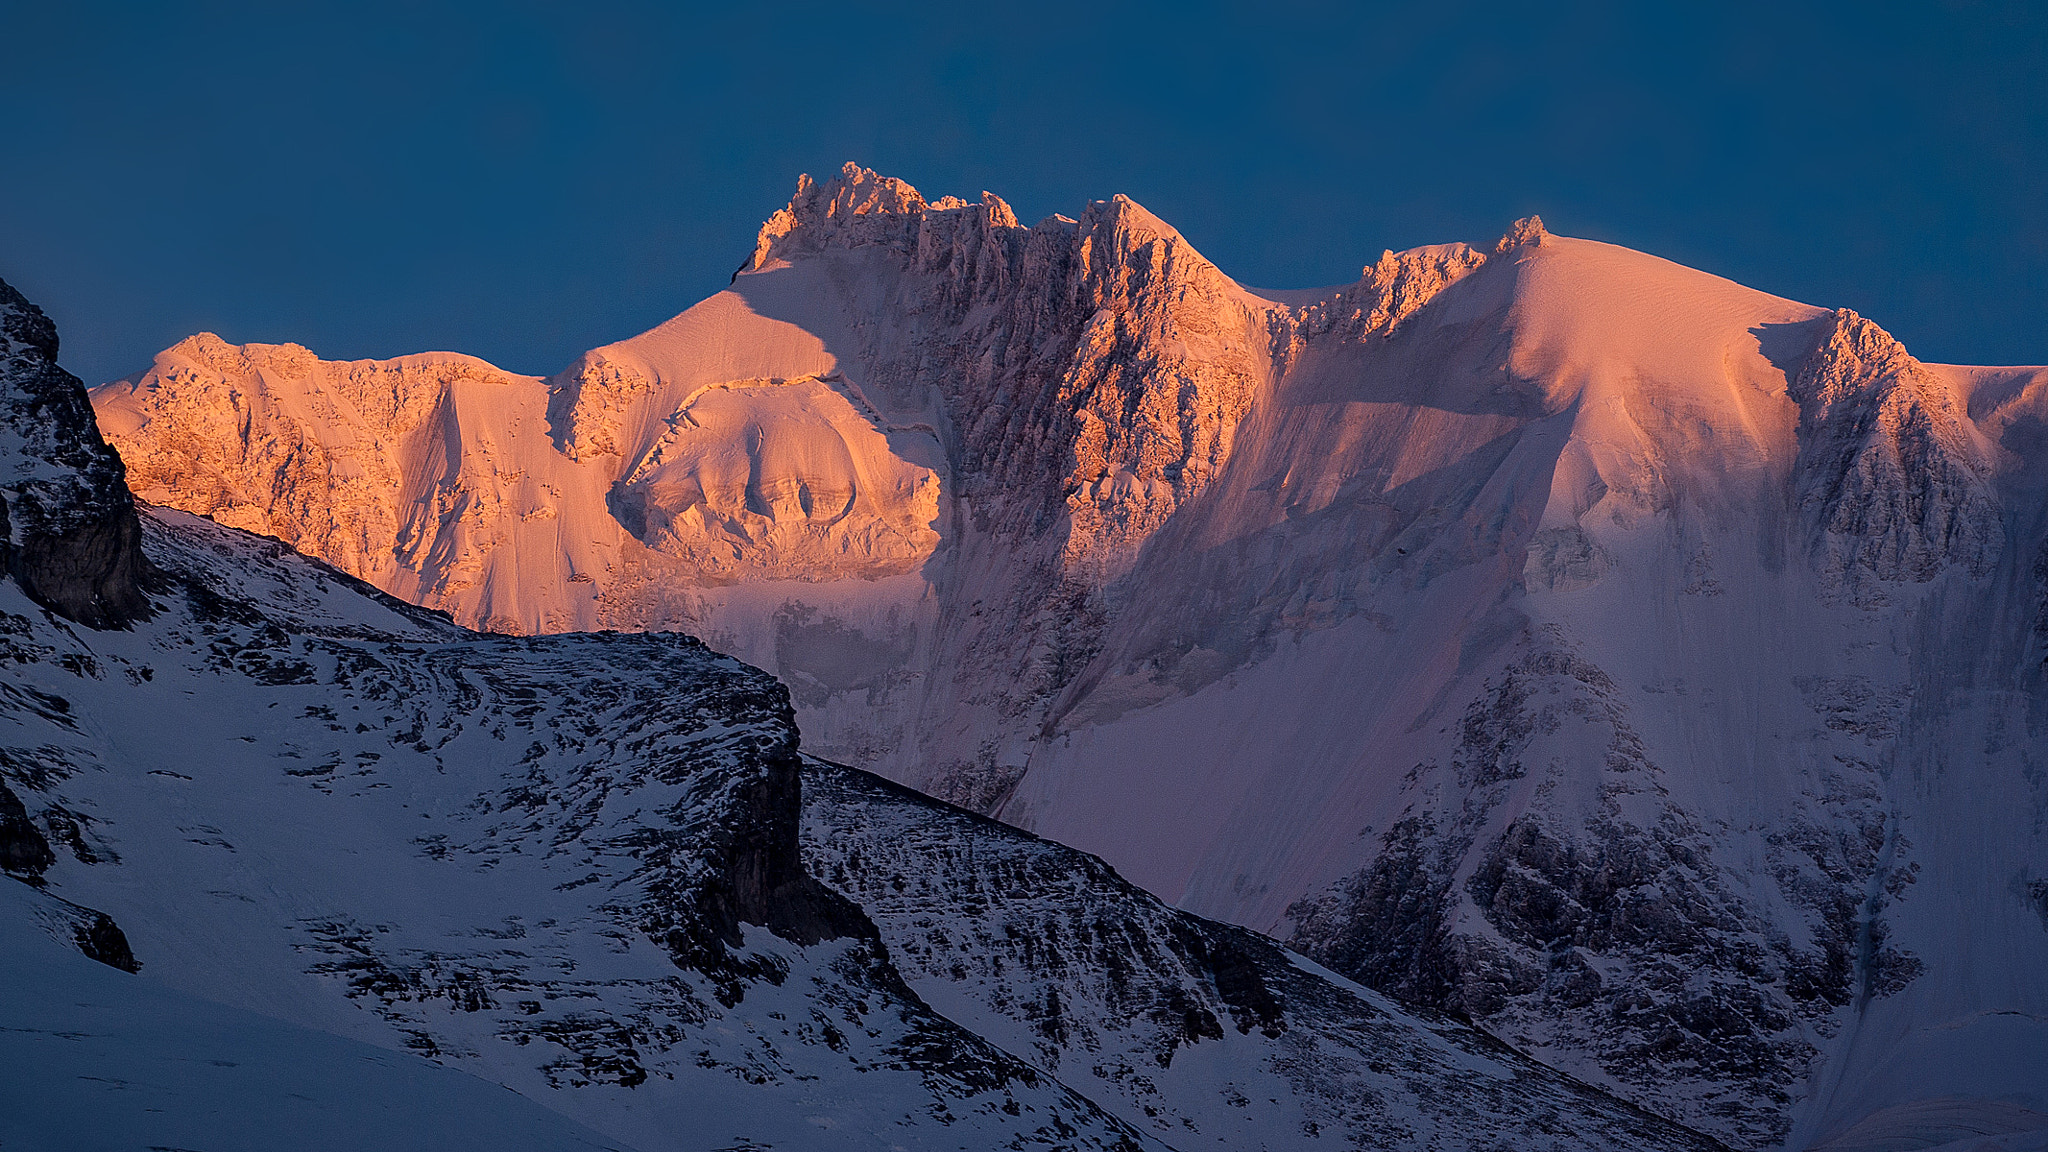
x,y
71,535
23,849
1894,483
1622,933
1388,292
1539,630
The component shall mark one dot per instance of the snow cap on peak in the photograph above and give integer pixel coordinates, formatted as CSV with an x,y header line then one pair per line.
x,y
1526,231
1859,338
1862,336
861,207
236,359
856,191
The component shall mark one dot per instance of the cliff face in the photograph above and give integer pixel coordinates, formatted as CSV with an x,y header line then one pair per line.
x,y
71,538
1198,1033
1538,630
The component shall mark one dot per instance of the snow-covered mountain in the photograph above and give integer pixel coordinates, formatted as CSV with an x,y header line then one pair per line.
x,y
1645,667
345,840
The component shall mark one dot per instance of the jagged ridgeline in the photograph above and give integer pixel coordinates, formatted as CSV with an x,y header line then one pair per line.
x,y
1643,666
355,876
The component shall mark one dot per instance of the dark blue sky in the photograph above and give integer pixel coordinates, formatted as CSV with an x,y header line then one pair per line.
x,y
522,182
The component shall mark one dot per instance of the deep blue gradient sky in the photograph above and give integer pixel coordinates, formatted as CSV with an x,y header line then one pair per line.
x,y
522,182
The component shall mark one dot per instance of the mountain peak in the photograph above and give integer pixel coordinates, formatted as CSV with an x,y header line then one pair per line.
x,y
1393,615
858,202
1528,231
1898,485
68,530
23,327
859,207
856,191
1853,354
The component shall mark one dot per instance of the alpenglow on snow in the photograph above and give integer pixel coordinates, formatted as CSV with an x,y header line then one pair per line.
x,y
1645,668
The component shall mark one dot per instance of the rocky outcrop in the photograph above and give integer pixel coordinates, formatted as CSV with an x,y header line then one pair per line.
x,y
25,855
742,862
1890,479
24,852
854,208
71,538
1096,369
1395,287
1620,933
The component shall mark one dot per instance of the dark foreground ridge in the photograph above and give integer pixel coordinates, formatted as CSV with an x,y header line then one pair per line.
x,y
68,529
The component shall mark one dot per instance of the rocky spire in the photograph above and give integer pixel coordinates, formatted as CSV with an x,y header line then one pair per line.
x,y
1890,476
71,538
1526,231
857,207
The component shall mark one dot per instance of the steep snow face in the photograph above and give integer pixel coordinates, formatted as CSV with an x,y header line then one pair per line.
x,y
1644,666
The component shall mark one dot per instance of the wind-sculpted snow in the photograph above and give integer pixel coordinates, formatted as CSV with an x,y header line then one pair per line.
x,y
1623,935
1201,1034
1536,629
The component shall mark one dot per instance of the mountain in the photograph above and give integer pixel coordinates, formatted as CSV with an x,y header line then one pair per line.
x,y
347,867
1644,667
